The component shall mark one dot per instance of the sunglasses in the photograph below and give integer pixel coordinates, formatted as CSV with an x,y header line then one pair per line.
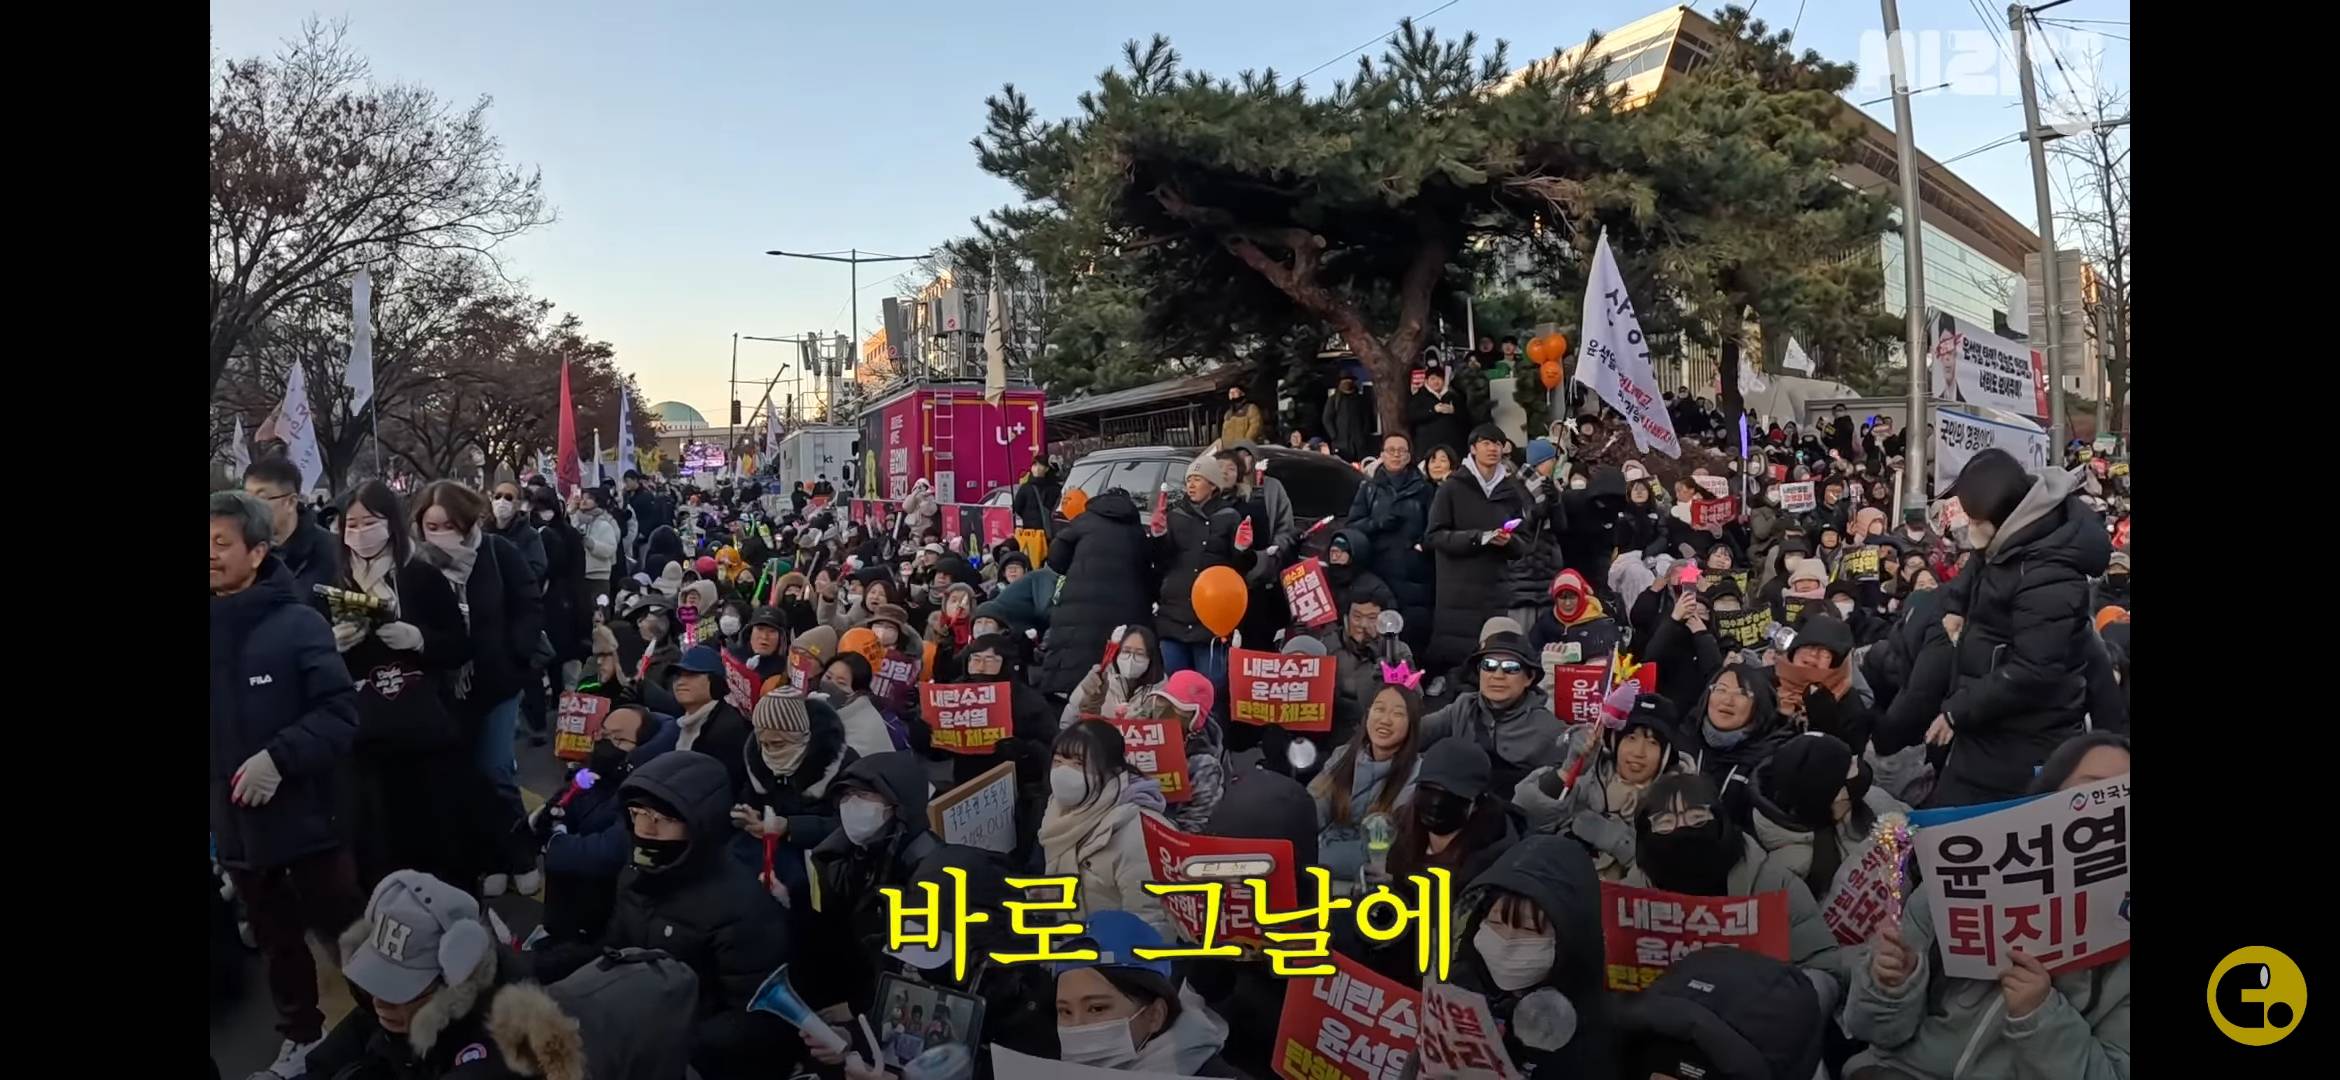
x,y
1505,665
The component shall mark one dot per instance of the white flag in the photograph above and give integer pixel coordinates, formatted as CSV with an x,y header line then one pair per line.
x,y
1751,381
597,471
994,346
625,430
771,432
360,375
1615,362
1795,359
297,426
239,451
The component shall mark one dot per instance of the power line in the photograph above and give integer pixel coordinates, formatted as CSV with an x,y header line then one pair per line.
x,y
2050,46
1369,42
1799,18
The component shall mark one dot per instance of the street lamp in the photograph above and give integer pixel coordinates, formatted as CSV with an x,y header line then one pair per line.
x,y
853,258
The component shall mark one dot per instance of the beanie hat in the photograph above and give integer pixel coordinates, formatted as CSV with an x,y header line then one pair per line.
x,y
782,710
1498,624
1304,645
1804,775
820,642
2111,613
1540,451
1803,569
1206,465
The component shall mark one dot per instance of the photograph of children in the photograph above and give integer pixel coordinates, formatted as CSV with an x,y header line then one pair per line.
x,y
917,1018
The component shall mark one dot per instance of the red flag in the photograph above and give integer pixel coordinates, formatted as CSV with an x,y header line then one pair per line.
x,y
567,471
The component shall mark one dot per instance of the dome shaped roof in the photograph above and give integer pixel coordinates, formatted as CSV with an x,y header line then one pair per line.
x,y
678,414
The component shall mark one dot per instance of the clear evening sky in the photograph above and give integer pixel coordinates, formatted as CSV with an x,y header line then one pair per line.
x,y
681,140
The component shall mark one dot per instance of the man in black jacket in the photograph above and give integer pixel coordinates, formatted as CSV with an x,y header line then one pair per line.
x,y
1348,420
881,838
311,553
1439,416
1474,551
283,713
1392,509
1107,582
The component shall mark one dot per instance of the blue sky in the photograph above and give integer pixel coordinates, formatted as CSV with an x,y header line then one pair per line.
x,y
681,140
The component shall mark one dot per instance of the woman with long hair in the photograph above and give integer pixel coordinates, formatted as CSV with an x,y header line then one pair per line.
x,y
1373,775
1091,829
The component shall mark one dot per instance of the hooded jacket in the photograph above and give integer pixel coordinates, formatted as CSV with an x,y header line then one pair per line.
x,y
1750,1017
1811,945
1552,873
1587,810
705,910
1520,737
276,685
847,877
2022,665
494,1022
1104,557
582,864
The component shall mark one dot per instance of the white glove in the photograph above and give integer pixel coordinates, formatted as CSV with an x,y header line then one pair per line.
x,y
402,636
347,634
256,781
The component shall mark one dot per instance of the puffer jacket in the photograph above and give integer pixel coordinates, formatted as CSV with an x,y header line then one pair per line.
x,y
1473,576
804,798
2022,657
1600,520
1541,529
277,684
491,1025
1518,738
851,916
1936,1026
1356,677
1109,693
1811,945
1584,810
1199,537
1790,844
1105,561
1392,510
1109,858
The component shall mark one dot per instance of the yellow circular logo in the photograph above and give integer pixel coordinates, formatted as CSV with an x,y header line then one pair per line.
x,y
2257,995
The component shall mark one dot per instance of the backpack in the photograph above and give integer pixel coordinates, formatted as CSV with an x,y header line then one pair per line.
x,y
634,1007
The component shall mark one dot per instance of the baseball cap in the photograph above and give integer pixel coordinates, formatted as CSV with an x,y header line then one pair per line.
x,y
419,930
1116,935
768,616
701,660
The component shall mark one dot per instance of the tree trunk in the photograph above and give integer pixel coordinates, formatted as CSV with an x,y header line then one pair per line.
x,y
1727,372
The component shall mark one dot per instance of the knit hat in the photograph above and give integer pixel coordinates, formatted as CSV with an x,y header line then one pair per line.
x,y
820,642
1497,624
1304,645
670,581
2120,561
419,930
1458,766
782,710
1807,569
1540,451
1206,465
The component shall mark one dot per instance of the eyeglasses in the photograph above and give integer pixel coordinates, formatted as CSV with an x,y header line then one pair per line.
x,y
1503,664
1734,691
1666,821
643,817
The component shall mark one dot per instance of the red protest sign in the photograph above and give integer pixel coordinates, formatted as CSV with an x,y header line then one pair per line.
x,y
967,718
1779,474
1281,690
2049,876
1577,690
1158,749
999,524
1460,1037
578,724
741,687
1179,857
951,531
1309,594
1713,513
891,682
816,503
1644,931
1353,1024
804,669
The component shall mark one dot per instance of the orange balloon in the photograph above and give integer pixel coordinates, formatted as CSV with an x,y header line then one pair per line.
x,y
1220,599
863,640
1535,351
1551,372
1559,347
1073,503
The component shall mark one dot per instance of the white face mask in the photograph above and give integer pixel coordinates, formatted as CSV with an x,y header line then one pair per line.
x,y
1576,483
886,634
369,540
1068,785
504,512
923,958
853,599
729,623
449,539
1108,1045
1844,608
863,819
1130,667
1514,963
545,516
986,628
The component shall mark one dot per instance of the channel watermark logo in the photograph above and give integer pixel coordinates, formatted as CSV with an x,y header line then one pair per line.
x,y
1978,63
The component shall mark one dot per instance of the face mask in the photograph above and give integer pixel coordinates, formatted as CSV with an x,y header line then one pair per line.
x,y
1695,860
986,628
369,540
654,856
853,599
1130,667
448,540
545,515
1442,813
863,820
504,512
729,623
886,634
1844,608
1576,483
784,762
923,958
1105,1046
1514,964
607,762
1068,785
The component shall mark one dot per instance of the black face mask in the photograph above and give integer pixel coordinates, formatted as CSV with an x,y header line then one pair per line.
x,y
658,856
607,762
1442,812
1695,860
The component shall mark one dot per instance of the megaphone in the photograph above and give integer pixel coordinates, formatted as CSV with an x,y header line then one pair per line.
x,y
780,999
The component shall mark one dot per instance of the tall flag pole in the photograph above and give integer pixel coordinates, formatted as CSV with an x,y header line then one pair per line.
x,y
565,452
625,429
358,375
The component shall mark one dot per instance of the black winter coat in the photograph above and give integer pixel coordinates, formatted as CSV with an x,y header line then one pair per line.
x,y
1200,537
1600,520
1035,503
2022,657
1392,509
1348,424
1472,575
569,624
852,915
1540,531
312,554
1434,429
1556,874
507,613
1105,559
276,685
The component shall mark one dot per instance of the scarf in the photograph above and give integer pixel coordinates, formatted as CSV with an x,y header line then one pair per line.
x,y
1063,828
692,723
1487,484
455,563
1588,608
373,576
1795,679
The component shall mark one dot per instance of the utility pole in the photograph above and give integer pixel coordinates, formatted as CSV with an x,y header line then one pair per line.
x,y
1918,434
853,258
2050,270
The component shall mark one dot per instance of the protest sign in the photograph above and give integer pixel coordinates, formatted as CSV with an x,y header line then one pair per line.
x,y
967,718
1715,487
1281,690
1973,365
1713,513
1792,609
1643,931
1860,564
577,724
891,682
804,669
1460,1038
1744,628
2049,876
948,518
1158,749
1614,361
1958,437
1779,473
1353,1024
741,687
1308,594
999,525
979,813
1798,497
1577,690
1865,893
1185,857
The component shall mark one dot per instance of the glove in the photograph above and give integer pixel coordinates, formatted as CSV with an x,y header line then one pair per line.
x,y
1243,535
1551,783
400,635
347,634
256,781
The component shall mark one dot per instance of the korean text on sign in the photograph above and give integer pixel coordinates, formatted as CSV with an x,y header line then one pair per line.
x,y
1281,690
1643,931
1577,690
1182,862
1459,1035
1798,497
1713,513
578,724
1864,894
966,718
1158,749
892,680
1352,1024
1308,594
2049,876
